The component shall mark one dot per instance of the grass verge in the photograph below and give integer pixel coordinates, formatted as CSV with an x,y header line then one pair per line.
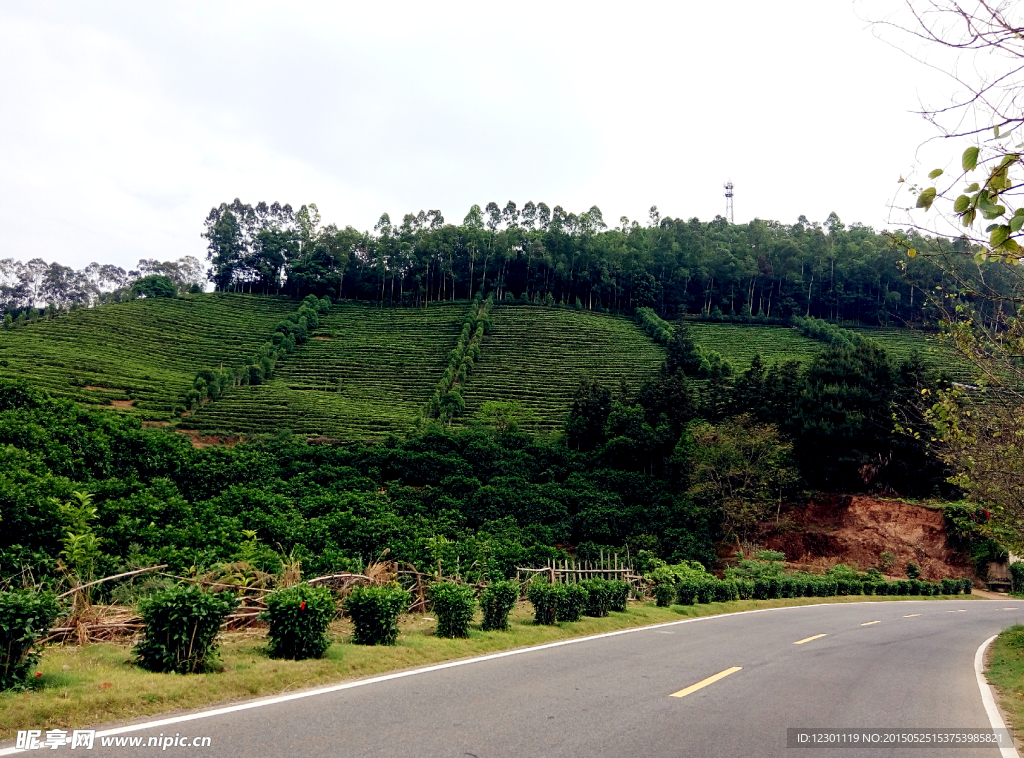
x,y
1005,672
95,684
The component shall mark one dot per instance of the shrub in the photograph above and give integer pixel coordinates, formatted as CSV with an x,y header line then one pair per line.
x,y
599,597
706,590
181,630
886,561
842,586
619,595
374,612
497,601
686,592
1017,576
856,587
664,594
745,587
950,586
570,602
914,587
726,591
868,588
967,584
543,597
827,587
902,587
454,606
299,617
913,570
25,616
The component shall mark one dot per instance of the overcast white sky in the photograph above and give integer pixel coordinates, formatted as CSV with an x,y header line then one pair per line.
x,y
122,123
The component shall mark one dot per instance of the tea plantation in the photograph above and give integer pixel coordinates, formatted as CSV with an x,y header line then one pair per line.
x,y
366,372
145,352
739,343
538,356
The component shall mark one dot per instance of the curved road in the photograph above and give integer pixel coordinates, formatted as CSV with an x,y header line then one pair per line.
x,y
877,665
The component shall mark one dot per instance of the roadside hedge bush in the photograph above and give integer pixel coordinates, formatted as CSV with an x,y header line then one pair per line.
x,y
599,597
374,612
570,602
497,601
968,585
544,598
706,590
619,595
181,629
664,594
726,591
299,617
686,593
25,616
950,586
902,587
454,606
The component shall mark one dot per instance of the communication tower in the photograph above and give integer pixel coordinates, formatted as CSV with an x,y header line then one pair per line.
x,y
728,202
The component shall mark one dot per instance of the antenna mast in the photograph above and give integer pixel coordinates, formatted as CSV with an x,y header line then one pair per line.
x,y
728,202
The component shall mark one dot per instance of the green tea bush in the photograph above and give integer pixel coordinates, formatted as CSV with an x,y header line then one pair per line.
x,y
599,597
868,588
1017,576
374,612
902,587
570,602
706,590
664,595
299,617
967,584
619,595
745,587
726,591
25,616
497,601
950,586
454,606
686,592
181,630
544,598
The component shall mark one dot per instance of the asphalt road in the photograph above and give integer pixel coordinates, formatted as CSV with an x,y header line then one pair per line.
x,y
613,696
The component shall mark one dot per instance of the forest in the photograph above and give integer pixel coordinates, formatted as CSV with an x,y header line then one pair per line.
x,y
759,271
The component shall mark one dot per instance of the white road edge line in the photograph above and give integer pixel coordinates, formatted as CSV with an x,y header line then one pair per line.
x,y
451,664
987,697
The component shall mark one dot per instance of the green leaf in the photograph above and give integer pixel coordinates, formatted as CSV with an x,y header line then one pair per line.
x,y
969,216
979,258
1016,223
911,252
999,236
961,204
973,188
970,158
995,131
991,228
926,198
935,174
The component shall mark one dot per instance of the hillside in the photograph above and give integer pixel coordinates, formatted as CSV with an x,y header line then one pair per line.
x,y
365,373
538,356
145,352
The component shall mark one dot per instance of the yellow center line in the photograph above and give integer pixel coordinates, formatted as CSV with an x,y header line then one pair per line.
x,y
710,680
910,616
871,622
808,639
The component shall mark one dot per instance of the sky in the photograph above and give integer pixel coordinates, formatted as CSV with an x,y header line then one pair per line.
x,y
123,123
